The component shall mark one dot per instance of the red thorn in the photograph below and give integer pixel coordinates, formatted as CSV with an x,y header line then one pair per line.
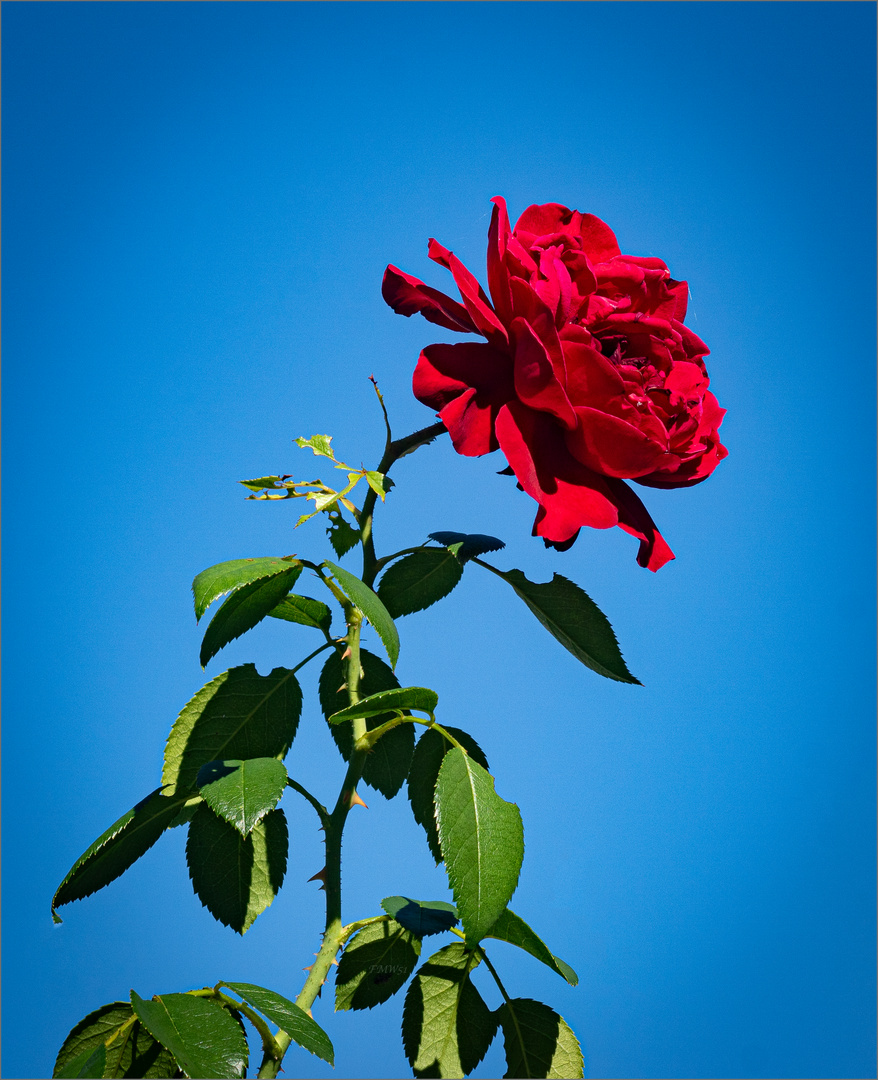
x,y
355,800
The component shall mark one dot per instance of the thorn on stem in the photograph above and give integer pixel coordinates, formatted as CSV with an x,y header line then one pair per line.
x,y
354,799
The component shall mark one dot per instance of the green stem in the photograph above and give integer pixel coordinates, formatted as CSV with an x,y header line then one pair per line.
x,y
369,739
322,812
334,933
393,452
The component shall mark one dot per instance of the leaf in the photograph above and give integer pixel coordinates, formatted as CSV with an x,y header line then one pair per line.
x,y
128,1048
289,1017
242,792
538,1042
573,618
90,1063
118,848
246,607
387,766
236,877
303,610
204,1038
446,1026
418,580
367,601
400,698
239,714
341,535
261,483
376,962
428,756
482,842
422,917
467,545
378,483
225,577
319,444
509,927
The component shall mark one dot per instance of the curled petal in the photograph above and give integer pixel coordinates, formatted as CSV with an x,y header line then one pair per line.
x,y
466,383
634,519
498,272
598,239
406,295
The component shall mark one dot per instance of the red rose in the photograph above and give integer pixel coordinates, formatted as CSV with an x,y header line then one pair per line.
x,y
587,376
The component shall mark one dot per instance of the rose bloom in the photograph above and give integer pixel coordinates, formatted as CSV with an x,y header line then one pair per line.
x,y
586,378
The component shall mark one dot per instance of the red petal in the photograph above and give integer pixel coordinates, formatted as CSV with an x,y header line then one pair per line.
x,y
406,295
613,447
498,273
598,239
569,494
634,519
536,383
467,383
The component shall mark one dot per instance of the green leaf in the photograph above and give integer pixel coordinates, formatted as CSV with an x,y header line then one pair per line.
x,y
422,917
538,1042
466,546
246,607
429,754
387,766
204,1038
573,618
367,601
303,610
129,1049
118,848
482,842
261,483
418,580
509,927
289,1017
341,535
236,877
319,444
400,698
378,483
239,714
446,1026
90,1063
375,964
242,792
225,577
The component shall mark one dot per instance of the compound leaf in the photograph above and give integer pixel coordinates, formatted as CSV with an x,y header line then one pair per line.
x,y
446,1026
289,1017
236,877
239,714
538,1042
242,792
303,610
247,606
573,618
225,577
399,698
482,842
509,927
203,1036
421,917
119,847
387,766
419,580
372,608
424,771
376,962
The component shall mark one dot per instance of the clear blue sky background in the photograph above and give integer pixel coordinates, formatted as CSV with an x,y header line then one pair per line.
x,y
199,201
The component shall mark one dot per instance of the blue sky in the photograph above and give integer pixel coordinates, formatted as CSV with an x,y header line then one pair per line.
x,y
199,201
